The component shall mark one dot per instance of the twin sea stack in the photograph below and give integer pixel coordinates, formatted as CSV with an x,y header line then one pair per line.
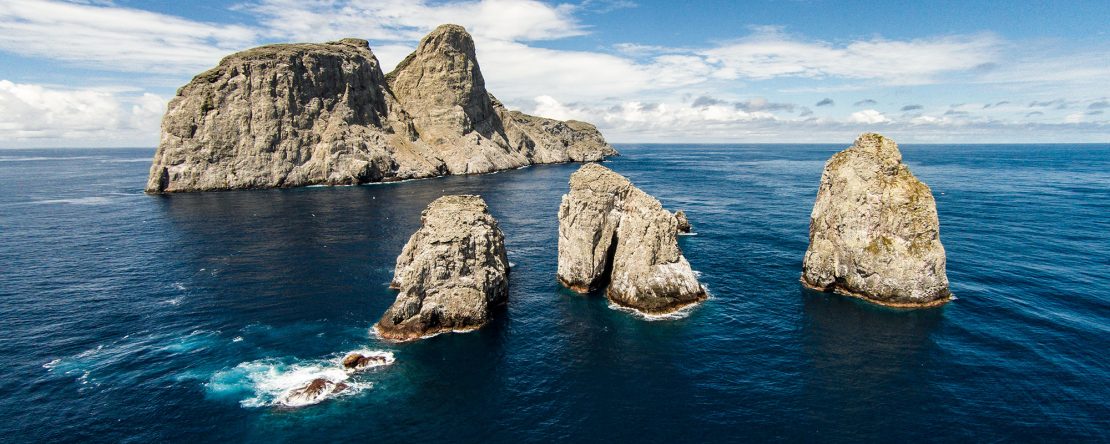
x,y
613,235
291,115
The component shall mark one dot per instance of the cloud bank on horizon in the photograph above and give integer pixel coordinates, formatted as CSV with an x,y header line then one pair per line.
x,y
98,72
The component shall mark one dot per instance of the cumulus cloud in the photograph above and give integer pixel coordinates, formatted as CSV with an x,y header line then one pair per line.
x,y
115,38
392,20
633,91
32,112
868,116
772,54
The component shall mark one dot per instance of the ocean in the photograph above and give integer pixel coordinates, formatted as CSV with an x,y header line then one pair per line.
x,y
127,317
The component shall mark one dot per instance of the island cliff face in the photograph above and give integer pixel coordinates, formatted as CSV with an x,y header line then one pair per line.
x,y
451,274
301,114
613,235
874,232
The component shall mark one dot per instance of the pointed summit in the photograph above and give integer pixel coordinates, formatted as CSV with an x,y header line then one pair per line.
x,y
291,115
441,85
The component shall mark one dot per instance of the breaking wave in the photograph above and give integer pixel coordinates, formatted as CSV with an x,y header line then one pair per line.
x,y
264,382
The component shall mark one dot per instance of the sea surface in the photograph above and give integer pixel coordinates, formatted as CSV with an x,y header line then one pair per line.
x,y
126,317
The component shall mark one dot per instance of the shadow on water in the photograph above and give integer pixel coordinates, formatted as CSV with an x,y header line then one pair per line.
x,y
868,362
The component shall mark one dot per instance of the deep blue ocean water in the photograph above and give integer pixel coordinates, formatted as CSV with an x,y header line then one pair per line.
x,y
133,318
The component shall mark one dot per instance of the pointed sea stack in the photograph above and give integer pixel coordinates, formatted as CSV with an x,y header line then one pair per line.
x,y
873,232
613,235
451,274
291,115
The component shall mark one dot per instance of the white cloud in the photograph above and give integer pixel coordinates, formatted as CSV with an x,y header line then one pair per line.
x,y
771,54
678,121
404,20
634,92
33,114
868,116
115,38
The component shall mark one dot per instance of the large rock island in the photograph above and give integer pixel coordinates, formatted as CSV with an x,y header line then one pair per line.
x,y
451,274
291,115
874,232
613,235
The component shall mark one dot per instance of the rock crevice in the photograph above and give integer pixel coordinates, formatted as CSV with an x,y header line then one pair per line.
x,y
874,232
613,235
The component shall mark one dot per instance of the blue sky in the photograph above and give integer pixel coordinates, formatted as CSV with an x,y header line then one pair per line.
x,y
99,73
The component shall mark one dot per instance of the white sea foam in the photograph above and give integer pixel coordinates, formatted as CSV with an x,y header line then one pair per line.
x,y
141,159
92,200
687,234
266,382
41,158
677,314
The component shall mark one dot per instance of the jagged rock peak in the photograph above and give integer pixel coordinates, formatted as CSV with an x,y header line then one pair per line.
x,y
613,235
451,274
874,231
290,115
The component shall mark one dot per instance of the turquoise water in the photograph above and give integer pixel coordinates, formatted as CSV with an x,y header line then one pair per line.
x,y
136,318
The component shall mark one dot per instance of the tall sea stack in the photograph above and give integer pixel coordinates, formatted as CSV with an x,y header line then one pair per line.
x,y
873,232
613,235
291,115
451,274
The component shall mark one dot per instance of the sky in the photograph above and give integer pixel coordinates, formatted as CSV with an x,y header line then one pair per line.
x,y
98,73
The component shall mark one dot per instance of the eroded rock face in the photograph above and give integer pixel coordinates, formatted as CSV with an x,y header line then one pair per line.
x,y
613,235
301,114
451,274
874,232
682,221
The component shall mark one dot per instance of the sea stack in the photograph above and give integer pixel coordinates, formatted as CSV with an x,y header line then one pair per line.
x,y
451,274
290,115
873,232
613,235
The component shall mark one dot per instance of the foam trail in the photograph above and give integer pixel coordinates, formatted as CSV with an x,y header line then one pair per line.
x,y
266,382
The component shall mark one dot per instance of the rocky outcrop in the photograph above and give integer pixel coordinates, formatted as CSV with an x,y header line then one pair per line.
x,y
315,391
874,233
301,114
682,221
451,274
357,361
613,235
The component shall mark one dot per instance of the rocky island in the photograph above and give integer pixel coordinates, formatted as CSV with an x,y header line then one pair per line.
x,y
451,274
873,232
290,115
613,235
